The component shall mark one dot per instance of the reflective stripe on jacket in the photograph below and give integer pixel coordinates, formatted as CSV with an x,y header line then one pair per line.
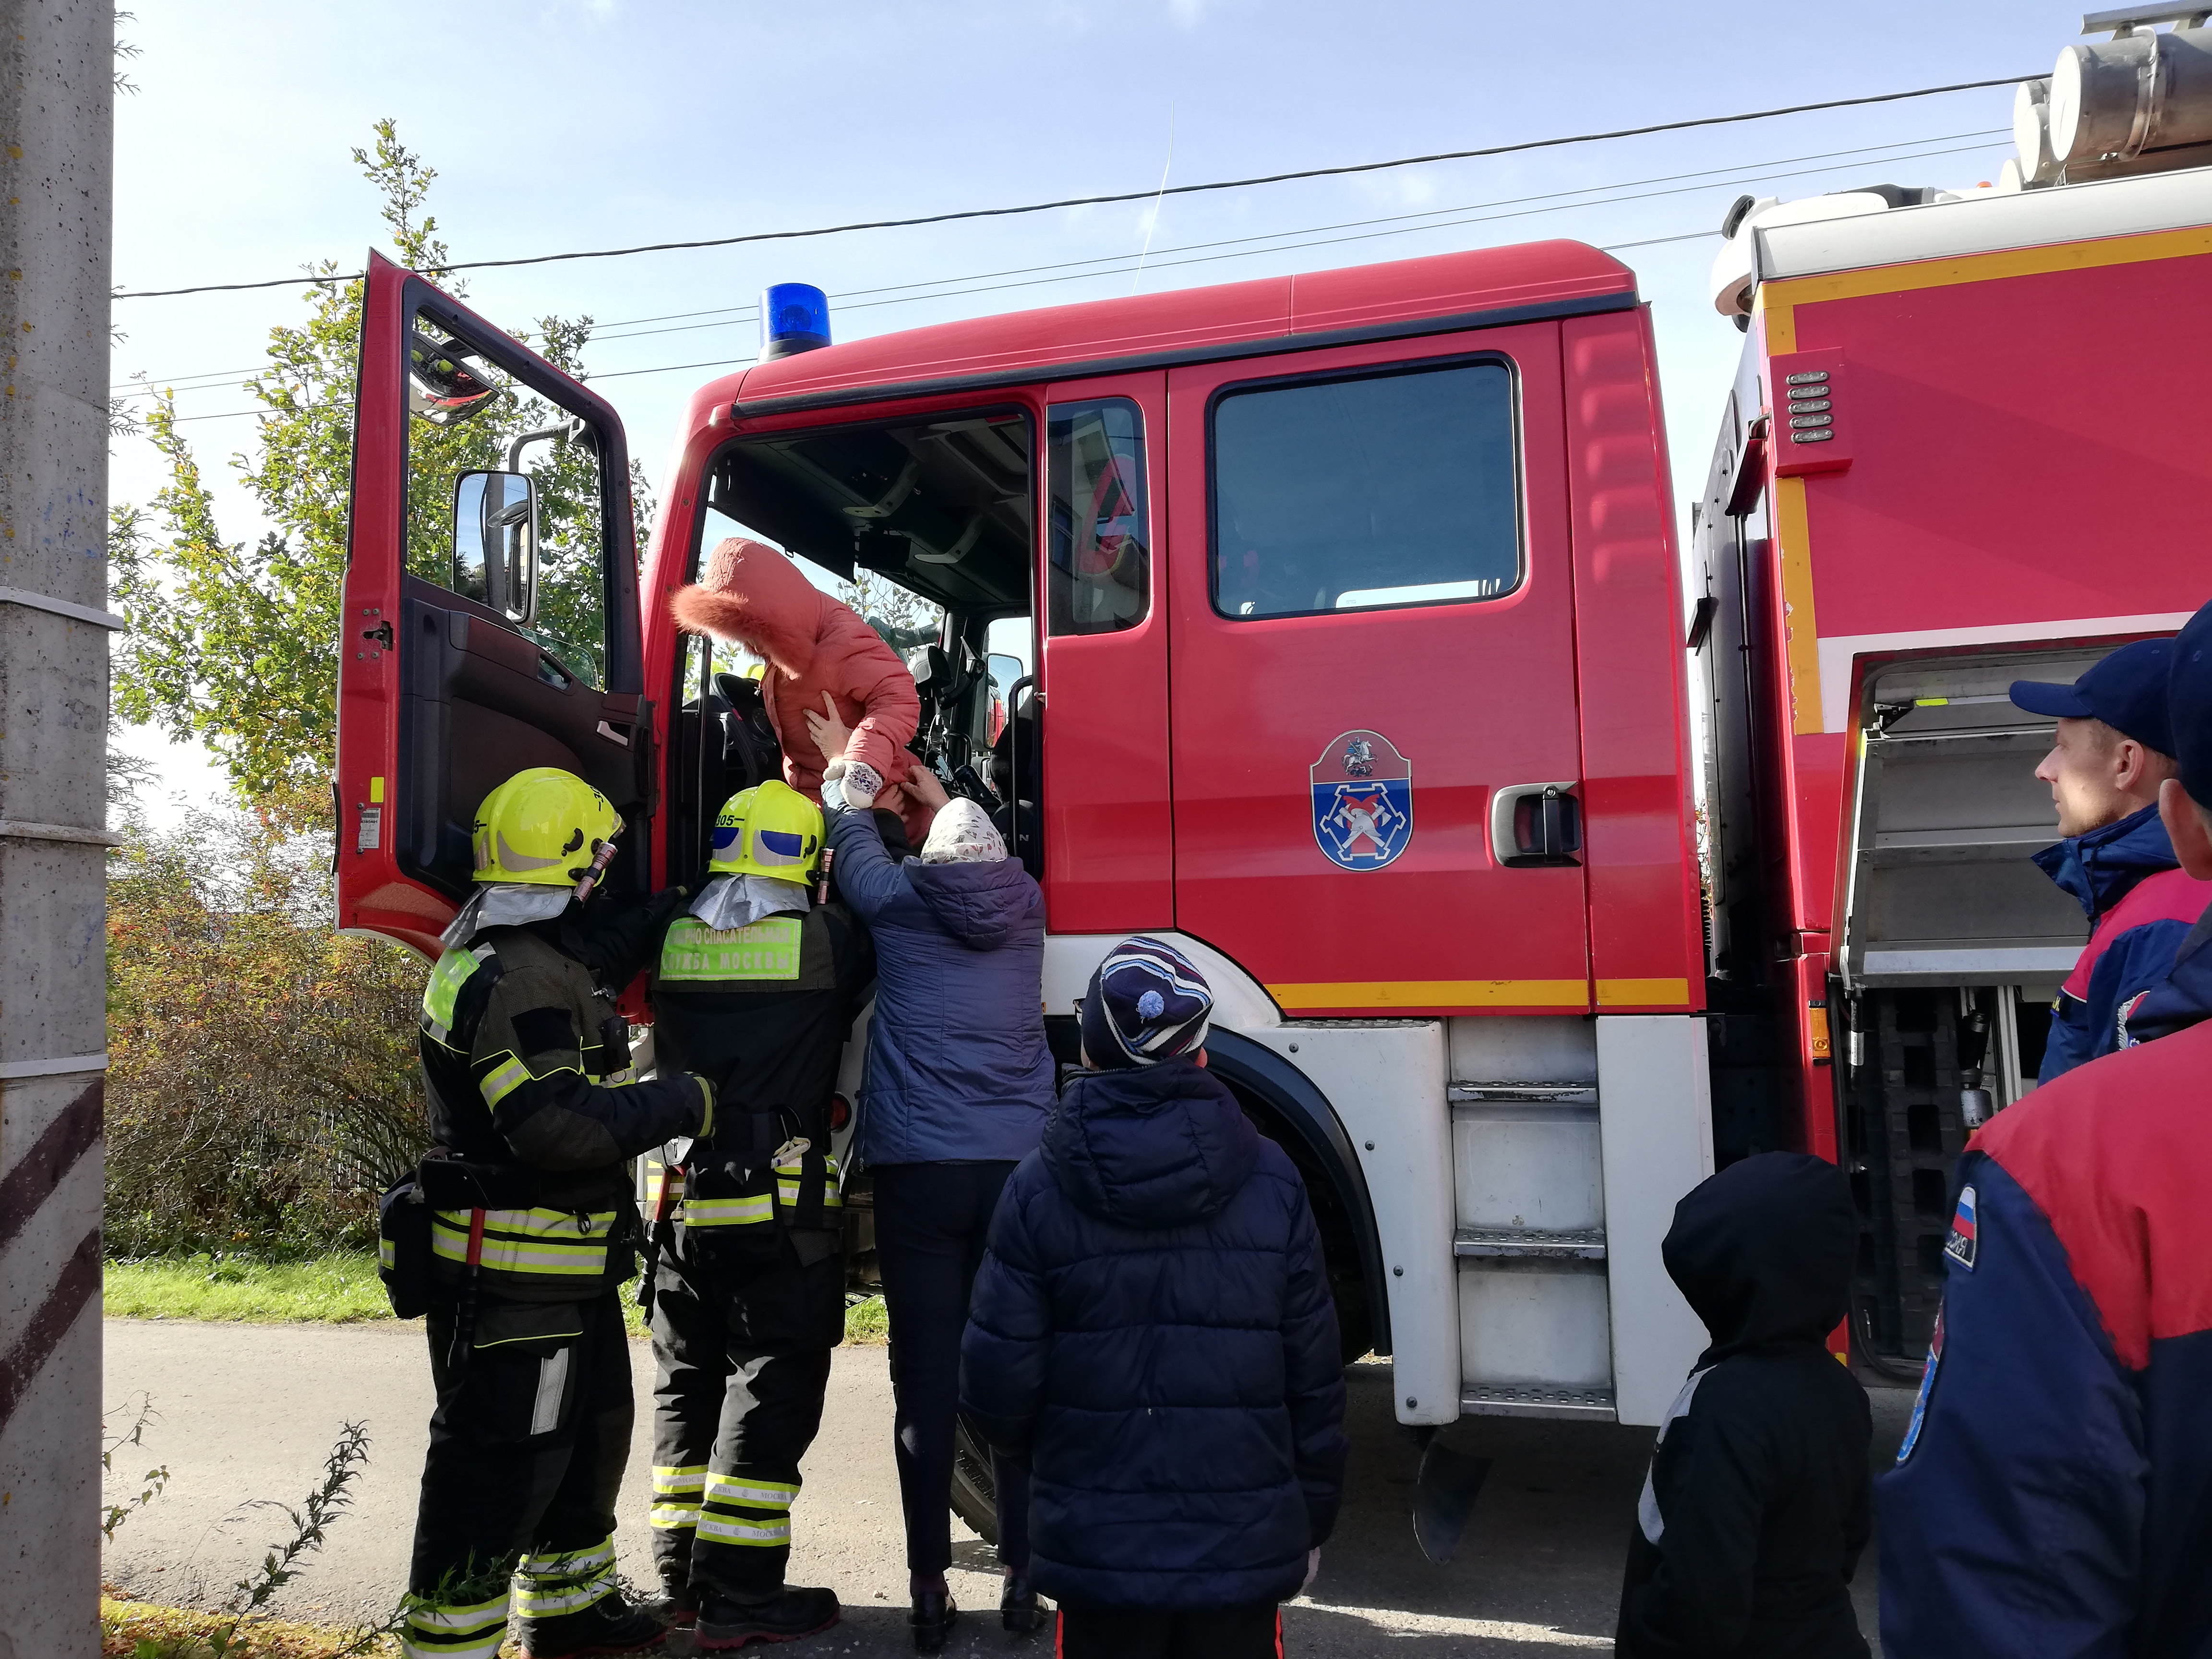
x,y
528,1241
527,1070
757,1209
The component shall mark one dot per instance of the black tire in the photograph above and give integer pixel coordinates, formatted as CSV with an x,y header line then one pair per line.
x,y
975,1493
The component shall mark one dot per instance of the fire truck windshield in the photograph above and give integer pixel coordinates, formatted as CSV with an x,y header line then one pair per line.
x,y
941,506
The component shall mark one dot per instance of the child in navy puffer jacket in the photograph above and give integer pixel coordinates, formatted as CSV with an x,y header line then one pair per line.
x,y
1152,1331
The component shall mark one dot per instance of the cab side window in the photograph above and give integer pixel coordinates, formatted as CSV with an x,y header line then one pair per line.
x,y
504,498
1101,565
1364,492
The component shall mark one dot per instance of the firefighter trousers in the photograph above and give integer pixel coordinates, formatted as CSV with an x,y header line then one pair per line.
x,y
527,1446
741,1354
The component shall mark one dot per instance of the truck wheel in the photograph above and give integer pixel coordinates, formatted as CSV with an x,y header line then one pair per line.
x,y
974,1492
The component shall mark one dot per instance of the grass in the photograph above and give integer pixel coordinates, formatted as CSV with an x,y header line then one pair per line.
x,y
145,1630
340,1288
337,1289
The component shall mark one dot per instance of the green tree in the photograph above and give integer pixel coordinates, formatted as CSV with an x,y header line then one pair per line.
x,y
235,643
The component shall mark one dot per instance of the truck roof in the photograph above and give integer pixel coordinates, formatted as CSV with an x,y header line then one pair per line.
x,y
1986,222
1479,288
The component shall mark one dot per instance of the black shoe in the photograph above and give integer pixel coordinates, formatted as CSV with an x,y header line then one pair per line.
x,y
608,1626
724,1623
934,1613
1017,1606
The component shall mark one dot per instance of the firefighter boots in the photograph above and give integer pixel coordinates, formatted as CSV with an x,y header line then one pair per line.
x,y
790,1614
609,1626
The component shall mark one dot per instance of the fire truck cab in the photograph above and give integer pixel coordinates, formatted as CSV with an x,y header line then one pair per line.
x,y
1356,636
1355,666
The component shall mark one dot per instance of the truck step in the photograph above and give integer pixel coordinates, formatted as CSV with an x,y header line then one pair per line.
x,y
1545,1094
1495,1399
1579,1243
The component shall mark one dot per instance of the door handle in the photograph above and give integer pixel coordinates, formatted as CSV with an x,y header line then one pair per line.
x,y
1535,824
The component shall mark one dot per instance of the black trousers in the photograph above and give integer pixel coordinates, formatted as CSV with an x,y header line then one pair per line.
x,y
1245,1633
741,1349
931,1223
526,1460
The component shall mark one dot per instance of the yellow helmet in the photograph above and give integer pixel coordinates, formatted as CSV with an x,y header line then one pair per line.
x,y
542,827
770,830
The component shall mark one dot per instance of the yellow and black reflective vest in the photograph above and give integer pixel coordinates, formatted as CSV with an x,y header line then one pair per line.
x,y
527,1068
762,1012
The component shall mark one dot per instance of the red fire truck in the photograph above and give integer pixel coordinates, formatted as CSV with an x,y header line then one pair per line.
x,y
1360,665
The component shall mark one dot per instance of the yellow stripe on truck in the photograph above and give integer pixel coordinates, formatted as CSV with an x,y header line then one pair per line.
x,y
1435,993
1643,993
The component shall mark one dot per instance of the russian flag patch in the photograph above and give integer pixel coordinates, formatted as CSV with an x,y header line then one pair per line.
x,y
1959,1246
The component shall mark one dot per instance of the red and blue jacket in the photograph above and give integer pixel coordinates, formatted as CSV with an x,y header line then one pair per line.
x,y
2053,1494
2140,908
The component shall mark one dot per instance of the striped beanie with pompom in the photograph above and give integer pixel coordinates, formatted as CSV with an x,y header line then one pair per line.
x,y
1146,1003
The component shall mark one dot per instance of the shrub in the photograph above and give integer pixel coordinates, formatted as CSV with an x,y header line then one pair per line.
x,y
263,1085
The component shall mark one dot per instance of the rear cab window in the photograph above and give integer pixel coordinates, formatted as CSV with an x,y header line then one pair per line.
x,y
1365,492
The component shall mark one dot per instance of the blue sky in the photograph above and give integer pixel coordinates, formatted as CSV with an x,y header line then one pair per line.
x,y
572,124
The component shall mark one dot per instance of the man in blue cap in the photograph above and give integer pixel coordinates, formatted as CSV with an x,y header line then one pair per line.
x,y
2053,1493
2113,749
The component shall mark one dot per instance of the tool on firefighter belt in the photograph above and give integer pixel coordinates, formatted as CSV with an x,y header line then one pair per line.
x,y
660,1224
465,1312
821,883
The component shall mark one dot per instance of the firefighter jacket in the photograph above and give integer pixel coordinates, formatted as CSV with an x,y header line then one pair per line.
x,y
2140,908
527,1068
2053,1494
762,1011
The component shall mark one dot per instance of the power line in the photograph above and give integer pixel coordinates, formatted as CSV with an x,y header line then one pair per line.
x,y
1121,196
734,314
942,287
981,286
726,362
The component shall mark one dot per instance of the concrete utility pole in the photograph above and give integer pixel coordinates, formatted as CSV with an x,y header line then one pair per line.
x,y
57,143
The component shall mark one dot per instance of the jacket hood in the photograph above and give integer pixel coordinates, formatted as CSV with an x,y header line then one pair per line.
x,y
984,906
752,595
2180,1000
1763,1252
1161,1147
2101,867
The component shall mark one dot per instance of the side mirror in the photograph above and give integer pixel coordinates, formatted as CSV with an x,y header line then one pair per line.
x,y
496,542
1004,670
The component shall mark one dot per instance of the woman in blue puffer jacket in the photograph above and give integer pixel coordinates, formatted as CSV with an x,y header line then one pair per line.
x,y
959,1082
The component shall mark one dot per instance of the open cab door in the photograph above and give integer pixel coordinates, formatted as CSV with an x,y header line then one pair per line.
x,y
490,616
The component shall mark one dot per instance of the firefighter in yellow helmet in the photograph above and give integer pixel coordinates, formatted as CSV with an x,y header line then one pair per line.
x,y
520,1229
756,989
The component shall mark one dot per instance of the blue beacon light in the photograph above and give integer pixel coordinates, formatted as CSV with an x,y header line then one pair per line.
x,y
795,318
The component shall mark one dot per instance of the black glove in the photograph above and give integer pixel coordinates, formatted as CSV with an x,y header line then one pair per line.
x,y
616,940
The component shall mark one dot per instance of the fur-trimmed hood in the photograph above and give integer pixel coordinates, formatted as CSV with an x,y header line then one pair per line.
x,y
753,596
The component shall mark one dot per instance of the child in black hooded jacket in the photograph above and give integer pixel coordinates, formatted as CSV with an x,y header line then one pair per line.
x,y
1756,1507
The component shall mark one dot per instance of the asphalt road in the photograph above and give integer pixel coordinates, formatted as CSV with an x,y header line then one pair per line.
x,y
245,1414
